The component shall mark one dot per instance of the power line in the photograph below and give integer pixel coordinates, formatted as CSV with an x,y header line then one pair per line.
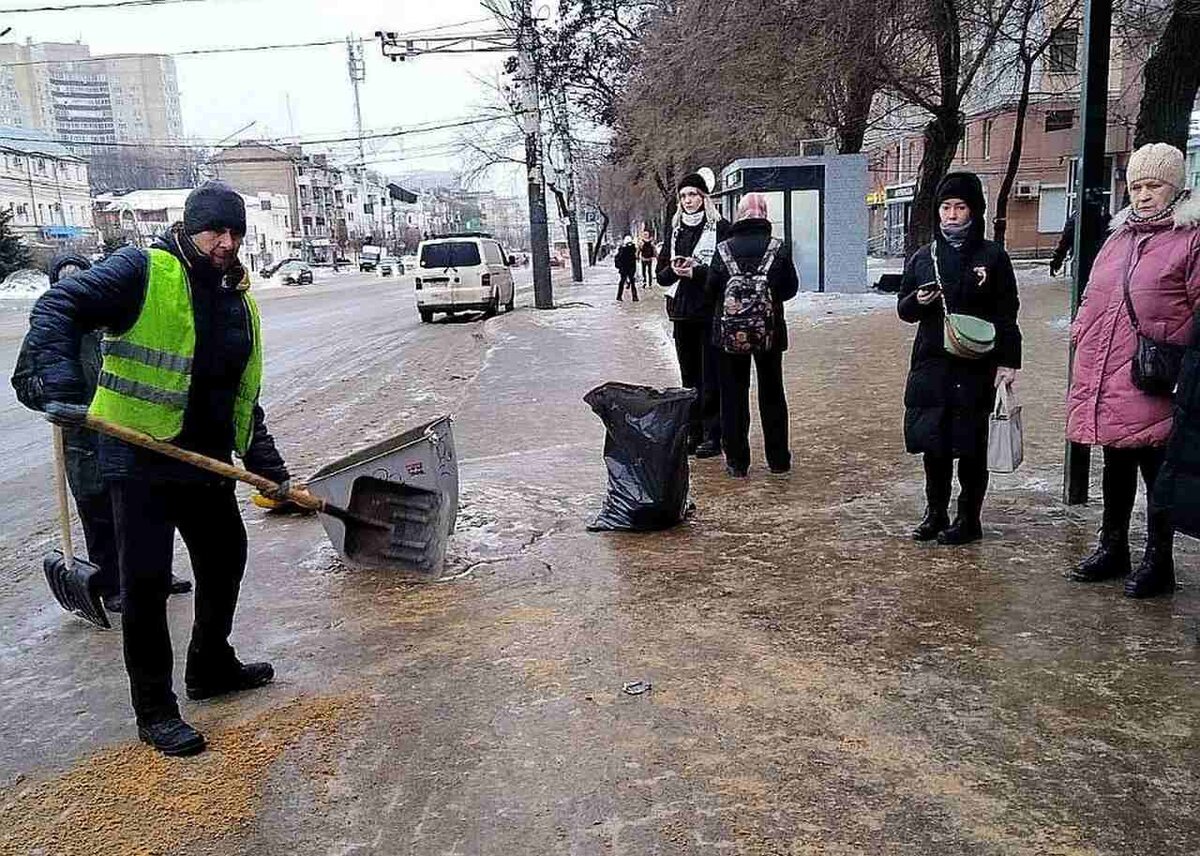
x,y
374,135
117,4
319,43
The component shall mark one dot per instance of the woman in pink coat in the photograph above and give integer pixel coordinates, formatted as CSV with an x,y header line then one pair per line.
x,y
1155,247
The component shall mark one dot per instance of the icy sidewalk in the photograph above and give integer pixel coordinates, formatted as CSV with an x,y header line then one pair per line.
x,y
820,683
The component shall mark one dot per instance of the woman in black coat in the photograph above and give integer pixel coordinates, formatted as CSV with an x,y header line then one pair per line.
x,y
626,264
749,241
948,398
682,272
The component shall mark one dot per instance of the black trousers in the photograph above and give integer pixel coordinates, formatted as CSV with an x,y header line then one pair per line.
x,y
147,517
972,480
772,408
627,278
647,272
1121,468
700,369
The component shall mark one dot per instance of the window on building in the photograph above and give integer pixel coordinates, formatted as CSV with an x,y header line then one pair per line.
x,y
264,204
1062,56
1052,208
1060,120
964,148
41,213
987,139
40,165
18,162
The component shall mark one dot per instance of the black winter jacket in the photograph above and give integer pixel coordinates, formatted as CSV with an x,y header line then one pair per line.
x,y
626,260
109,297
691,302
1177,488
948,399
748,241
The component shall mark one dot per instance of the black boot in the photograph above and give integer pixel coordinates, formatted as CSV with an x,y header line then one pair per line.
x,y
1156,574
234,678
932,526
1111,559
172,736
964,530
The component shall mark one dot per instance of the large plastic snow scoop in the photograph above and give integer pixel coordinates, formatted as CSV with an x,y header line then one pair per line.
x,y
73,581
375,524
421,466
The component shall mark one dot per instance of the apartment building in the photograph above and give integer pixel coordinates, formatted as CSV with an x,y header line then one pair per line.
x,y
45,188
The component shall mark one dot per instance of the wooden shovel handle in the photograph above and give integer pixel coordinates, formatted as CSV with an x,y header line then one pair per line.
x,y
298,495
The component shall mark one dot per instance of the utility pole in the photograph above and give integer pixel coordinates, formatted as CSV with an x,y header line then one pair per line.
x,y
568,150
357,67
539,237
1090,187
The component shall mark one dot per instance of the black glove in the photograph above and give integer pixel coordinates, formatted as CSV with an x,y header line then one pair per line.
x,y
67,415
1054,268
280,494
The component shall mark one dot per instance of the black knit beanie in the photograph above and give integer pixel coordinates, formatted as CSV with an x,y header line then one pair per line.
x,y
214,205
694,180
965,186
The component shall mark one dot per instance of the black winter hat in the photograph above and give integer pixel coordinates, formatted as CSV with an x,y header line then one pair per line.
x,y
695,180
214,205
965,186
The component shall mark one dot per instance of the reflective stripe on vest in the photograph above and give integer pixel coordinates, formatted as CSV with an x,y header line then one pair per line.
x,y
147,370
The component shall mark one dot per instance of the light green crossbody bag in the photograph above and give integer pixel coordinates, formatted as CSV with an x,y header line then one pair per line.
x,y
965,336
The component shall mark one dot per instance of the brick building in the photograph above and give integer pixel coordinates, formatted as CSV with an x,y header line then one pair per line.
x,y
1041,196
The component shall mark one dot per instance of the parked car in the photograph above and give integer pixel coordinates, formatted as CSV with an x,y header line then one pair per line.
x,y
409,263
460,273
388,266
271,269
295,273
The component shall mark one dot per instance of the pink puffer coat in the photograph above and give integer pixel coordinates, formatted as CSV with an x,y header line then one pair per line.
x,y
1104,408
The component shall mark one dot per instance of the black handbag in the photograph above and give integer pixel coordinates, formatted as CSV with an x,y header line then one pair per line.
x,y
1156,365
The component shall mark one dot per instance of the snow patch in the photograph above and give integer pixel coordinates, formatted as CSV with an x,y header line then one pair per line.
x,y
24,284
824,306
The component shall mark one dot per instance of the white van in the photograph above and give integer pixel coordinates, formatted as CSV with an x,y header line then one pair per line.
x,y
460,273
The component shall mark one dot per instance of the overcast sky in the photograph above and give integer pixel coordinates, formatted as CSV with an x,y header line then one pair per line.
x,y
220,93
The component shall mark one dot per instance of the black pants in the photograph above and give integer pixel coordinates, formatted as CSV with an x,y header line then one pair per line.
x,y
630,278
1120,488
772,408
972,480
207,518
700,369
647,272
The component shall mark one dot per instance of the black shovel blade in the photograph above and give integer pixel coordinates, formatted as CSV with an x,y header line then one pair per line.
x,y
75,588
415,538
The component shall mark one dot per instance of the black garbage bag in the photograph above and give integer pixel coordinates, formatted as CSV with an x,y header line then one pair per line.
x,y
645,451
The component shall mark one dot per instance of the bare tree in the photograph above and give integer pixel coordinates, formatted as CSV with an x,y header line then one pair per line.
x,y
1033,29
946,45
1172,78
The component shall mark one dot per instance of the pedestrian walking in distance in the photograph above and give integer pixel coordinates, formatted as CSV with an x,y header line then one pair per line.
x,y
683,266
1140,300
182,363
626,262
961,293
750,278
647,252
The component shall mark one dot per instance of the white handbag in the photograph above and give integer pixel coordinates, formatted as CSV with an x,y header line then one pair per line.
x,y
1006,436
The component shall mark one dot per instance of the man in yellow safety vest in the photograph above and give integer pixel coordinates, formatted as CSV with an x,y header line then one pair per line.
x,y
182,362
